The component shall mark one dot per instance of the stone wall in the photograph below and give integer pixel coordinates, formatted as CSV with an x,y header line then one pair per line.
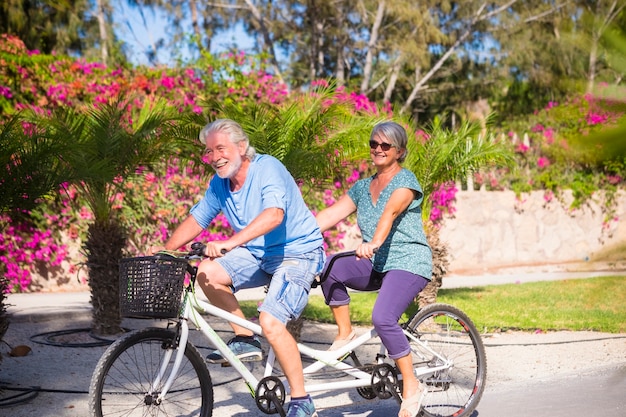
x,y
492,230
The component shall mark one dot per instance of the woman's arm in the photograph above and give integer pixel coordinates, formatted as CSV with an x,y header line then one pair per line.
x,y
398,203
332,215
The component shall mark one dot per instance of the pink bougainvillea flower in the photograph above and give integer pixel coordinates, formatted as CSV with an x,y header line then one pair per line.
x,y
537,128
549,135
521,148
595,118
543,162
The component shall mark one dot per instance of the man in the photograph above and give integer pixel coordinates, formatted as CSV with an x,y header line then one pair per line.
x,y
276,237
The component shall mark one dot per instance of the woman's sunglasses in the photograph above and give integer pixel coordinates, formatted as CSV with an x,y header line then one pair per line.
x,y
383,146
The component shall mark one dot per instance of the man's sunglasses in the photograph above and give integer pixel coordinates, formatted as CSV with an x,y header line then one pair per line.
x,y
383,146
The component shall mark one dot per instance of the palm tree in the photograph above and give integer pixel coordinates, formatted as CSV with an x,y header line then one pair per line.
x,y
109,143
449,155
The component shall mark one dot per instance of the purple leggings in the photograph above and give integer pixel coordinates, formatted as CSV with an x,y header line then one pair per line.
x,y
397,288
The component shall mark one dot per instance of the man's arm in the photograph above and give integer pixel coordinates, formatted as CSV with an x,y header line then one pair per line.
x,y
183,234
268,220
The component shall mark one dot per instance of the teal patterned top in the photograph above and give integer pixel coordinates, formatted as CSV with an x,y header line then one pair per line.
x,y
406,247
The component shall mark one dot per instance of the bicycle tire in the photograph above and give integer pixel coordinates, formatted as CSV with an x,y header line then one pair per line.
x,y
124,373
450,332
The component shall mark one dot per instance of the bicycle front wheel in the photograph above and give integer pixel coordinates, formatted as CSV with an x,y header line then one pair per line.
x,y
120,385
443,336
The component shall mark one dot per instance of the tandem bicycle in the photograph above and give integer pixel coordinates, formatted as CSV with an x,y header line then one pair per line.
x,y
159,372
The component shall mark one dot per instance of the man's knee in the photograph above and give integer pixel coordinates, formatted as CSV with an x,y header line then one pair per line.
x,y
212,274
272,327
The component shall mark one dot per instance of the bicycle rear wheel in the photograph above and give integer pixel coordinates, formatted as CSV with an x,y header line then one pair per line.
x,y
448,331
121,381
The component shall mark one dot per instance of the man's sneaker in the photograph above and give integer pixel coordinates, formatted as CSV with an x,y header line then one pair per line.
x,y
301,408
247,349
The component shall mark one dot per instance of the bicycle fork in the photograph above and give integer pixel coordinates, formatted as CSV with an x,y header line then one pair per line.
x,y
180,340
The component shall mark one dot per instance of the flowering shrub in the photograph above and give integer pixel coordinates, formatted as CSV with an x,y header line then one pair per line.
x,y
442,202
26,244
548,158
152,202
28,79
156,201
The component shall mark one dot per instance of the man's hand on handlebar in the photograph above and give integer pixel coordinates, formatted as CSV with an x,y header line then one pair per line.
x,y
217,249
209,250
153,250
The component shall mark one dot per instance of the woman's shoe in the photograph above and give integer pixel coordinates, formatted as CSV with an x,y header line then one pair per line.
x,y
413,404
339,343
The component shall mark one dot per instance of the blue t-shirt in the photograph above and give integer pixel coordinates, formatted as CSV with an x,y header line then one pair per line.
x,y
268,184
406,247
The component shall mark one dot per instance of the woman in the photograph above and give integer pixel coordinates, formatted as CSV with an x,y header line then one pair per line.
x,y
393,258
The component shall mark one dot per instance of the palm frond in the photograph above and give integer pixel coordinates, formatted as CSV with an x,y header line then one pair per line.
x,y
108,142
313,134
449,155
32,165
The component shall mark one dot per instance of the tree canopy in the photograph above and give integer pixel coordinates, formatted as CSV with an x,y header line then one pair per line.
x,y
425,57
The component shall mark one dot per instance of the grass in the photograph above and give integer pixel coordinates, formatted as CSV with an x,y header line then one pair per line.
x,y
596,304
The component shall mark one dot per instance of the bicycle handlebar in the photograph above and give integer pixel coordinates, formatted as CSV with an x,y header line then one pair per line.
x,y
198,248
321,278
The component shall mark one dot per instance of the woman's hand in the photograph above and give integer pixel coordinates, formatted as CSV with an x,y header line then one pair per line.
x,y
366,250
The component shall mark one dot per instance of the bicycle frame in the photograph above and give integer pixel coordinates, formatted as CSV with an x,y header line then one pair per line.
x,y
323,358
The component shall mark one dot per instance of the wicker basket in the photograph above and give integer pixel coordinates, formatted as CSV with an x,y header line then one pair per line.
x,y
151,286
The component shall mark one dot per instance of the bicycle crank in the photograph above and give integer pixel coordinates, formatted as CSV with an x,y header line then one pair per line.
x,y
385,382
270,396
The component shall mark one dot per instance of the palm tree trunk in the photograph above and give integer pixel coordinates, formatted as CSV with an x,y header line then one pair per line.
x,y
440,267
104,247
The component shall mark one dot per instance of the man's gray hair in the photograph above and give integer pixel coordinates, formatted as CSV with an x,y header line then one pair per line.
x,y
234,131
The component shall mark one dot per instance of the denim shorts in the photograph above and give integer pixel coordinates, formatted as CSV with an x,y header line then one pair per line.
x,y
289,278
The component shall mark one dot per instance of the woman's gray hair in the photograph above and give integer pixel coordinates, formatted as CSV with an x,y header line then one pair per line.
x,y
233,129
396,135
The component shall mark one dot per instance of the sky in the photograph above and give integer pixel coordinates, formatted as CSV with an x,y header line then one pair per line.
x,y
138,35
